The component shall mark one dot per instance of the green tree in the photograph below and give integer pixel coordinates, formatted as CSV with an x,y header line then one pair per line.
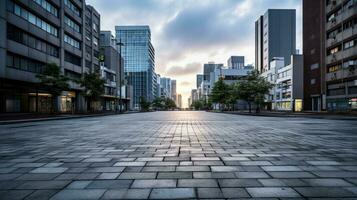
x,y
220,93
93,88
198,105
170,104
253,90
158,103
54,82
144,104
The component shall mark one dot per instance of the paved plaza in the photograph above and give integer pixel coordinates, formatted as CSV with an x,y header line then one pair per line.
x,y
179,155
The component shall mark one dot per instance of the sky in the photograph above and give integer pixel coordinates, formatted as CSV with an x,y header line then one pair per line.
x,y
188,33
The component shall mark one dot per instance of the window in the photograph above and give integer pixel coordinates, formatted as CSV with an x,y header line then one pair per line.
x,y
313,81
18,35
95,41
73,7
95,27
314,66
24,64
334,68
68,57
349,44
47,6
72,24
73,42
334,50
33,19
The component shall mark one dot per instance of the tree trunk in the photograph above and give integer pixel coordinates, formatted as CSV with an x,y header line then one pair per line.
x,y
250,107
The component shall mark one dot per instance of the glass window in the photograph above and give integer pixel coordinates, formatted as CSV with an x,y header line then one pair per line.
x,y
17,10
10,61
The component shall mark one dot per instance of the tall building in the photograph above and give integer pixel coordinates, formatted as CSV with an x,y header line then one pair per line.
x,y
209,68
112,71
165,84
341,55
139,60
179,101
314,55
173,91
35,33
236,62
275,36
199,79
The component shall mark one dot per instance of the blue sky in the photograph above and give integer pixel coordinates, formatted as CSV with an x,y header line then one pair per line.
x,y
188,33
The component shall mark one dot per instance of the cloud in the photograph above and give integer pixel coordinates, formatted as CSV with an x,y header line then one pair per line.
x,y
190,68
185,83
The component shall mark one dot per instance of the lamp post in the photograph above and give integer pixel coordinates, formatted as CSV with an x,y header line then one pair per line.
x,y
120,74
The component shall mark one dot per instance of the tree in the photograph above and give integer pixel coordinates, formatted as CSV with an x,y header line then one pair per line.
x,y
93,88
54,82
253,89
170,104
158,103
144,104
220,93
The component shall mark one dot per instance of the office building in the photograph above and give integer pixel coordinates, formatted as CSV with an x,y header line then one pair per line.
x,y
341,55
199,79
165,84
179,101
236,62
275,36
139,61
35,33
208,68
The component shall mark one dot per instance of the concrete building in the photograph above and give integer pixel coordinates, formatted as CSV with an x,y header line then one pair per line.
x,y
314,55
288,90
34,33
341,55
236,62
275,36
229,75
199,79
113,72
208,68
139,61
194,95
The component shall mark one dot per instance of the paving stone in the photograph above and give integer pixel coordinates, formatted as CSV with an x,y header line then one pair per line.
x,y
154,183
272,192
49,170
213,175
41,195
197,183
91,160
15,194
239,183
234,193
173,193
127,194
135,175
291,175
209,193
78,194
225,168
327,182
281,168
174,175
252,175
130,164
324,192
43,185
78,184
108,176
192,168
109,184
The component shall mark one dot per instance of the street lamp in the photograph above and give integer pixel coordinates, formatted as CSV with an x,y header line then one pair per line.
x,y
120,44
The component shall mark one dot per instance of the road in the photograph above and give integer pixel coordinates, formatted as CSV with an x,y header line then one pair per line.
x,y
172,155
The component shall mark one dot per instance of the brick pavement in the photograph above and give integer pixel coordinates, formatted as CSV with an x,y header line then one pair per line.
x,y
179,155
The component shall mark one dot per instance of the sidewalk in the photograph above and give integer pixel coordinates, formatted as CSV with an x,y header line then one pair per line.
x,y
13,118
317,115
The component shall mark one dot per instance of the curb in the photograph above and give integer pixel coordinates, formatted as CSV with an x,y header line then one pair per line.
x,y
59,118
352,118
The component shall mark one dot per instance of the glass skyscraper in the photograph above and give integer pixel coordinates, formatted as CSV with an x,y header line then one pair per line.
x,y
139,61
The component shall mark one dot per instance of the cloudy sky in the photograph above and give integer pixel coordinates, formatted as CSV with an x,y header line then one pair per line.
x,y
188,33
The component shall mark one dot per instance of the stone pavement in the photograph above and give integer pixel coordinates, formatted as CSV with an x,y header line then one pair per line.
x,y
179,155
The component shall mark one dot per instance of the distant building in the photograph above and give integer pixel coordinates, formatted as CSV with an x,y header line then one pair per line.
x,y
275,36
194,95
208,68
179,101
236,62
173,91
199,79
139,59
165,87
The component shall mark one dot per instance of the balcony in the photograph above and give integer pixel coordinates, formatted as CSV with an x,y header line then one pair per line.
x,y
332,41
334,57
348,12
332,6
344,73
334,22
350,52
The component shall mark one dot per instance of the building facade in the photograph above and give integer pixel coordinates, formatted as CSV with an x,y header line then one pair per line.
x,y
314,55
173,91
199,79
165,85
208,68
179,101
341,55
275,36
236,62
139,61
38,32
